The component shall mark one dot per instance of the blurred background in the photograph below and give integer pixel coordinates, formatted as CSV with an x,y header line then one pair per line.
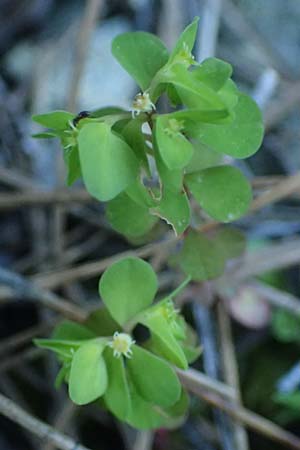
x,y
55,54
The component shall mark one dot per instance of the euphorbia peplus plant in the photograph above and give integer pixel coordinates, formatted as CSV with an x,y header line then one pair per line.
x,y
101,359
147,166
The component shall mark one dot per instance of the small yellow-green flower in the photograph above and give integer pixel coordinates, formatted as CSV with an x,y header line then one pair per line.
x,y
142,103
121,344
184,56
174,127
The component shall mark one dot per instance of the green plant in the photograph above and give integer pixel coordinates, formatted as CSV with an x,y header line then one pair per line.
x,y
147,166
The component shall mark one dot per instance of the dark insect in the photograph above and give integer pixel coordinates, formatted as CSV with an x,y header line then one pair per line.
x,y
81,115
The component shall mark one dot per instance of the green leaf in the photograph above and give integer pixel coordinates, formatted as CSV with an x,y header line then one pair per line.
x,y
187,38
240,138
120,213
88,376
174,208
133,135
61,376
190,346
213,72
176,151
101,323
63,348
199,115
158,383
202,158
171,180
144,415
72,331
230,94
58,120
178,411
140,194
231,242
106,111
222,191
108,164
46,135
141,54
72,161
117,395
127,287
286,326
200,258
193,93
163,341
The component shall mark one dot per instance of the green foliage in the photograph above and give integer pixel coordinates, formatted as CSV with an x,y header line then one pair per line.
x,y
101,360
132,280
113,152
146,166
222,191
141,54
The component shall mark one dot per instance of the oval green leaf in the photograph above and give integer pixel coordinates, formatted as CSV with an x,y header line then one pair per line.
x,y
174,208
88,376
141,54
222,191
117,395
201,258
240,138
58,120
158,383
108,164
120,213
127,287
176,151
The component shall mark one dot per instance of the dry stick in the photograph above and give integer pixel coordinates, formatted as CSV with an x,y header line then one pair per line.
x,y
193,381
16,360
12,200
58,197
272,257
88,270
143,440
254,421
230,368
27,289
208,33
278,192
61,421
236,21
206,329
277,297
13,412
283,106
87,26
11,343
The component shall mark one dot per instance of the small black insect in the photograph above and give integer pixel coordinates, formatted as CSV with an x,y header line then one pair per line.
x,y
81,115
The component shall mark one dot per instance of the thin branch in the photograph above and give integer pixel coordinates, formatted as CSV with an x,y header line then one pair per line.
x,y
13,412
28,289
87,26
208,33
32,198
253,421
280,108
284,189
196,381
271,257
144,440
276,297
88,270
230,369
